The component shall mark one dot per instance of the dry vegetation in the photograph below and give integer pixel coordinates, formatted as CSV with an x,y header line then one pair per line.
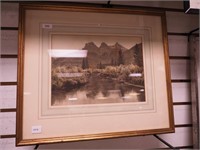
x,y
118,73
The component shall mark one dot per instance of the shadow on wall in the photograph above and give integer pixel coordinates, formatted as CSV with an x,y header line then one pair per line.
x,y
141,142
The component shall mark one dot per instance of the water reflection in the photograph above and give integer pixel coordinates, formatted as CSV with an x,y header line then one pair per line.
x,y
99,91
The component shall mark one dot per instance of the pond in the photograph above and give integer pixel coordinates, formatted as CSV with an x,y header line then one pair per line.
x,y
99,91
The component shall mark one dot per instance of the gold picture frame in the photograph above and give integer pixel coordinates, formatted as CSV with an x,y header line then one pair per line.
x,y
87,72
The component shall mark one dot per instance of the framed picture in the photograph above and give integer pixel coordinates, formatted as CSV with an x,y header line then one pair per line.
x,y
87,72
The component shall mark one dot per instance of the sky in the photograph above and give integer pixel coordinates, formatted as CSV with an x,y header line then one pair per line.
x,y
65,41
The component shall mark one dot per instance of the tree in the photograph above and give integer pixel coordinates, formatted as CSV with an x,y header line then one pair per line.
x,y
120,60
100,66
112,62
85,63
139,55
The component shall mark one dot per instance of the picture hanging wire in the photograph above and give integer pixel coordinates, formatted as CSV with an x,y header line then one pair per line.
x,y
164,142
36,147
191,32
108,4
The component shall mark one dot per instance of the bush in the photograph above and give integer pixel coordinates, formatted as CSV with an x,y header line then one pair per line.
x,y
68,82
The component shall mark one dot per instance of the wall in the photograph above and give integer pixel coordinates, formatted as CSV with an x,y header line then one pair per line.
x,y
177,24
